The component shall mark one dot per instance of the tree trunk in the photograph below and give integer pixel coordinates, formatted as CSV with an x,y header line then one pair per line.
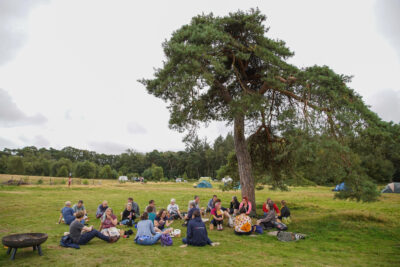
x,y
244,161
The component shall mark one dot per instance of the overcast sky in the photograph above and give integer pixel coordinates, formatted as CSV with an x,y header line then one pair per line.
x,y
69,69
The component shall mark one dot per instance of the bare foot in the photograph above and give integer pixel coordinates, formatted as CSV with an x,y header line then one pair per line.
x,y
183,246
215,244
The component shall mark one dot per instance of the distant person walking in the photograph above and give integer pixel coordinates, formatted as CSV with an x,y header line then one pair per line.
x,y
69,179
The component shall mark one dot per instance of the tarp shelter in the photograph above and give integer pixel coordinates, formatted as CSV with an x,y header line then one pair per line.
x,y
340,187
392,188
204,184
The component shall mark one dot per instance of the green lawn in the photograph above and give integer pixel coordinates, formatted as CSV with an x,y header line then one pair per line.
x,y
339,233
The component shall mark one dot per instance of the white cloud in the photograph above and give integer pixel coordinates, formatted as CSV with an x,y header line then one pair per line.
x,y
388,21
107,147
13,26
11,115
387,104
5,143
135,128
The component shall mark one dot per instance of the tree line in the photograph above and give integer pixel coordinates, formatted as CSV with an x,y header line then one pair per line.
x,y
200,158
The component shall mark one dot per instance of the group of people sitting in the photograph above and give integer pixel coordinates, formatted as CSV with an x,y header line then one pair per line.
x,y
152,224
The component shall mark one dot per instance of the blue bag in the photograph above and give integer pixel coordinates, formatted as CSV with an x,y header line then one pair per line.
x,y
166,240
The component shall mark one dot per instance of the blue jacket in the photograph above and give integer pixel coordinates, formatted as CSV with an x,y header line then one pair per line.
x,y
197,233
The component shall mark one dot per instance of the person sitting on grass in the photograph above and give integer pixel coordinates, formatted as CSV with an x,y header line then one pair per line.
x,y
173,210
246,204
217,216
128,215
101,209
189,215
285,213
243,224
108,223
152,204
234,207
265,206
161,221
270,218
135,206
80,207
81,234
147,234
151,213
211,203
196,234
67,213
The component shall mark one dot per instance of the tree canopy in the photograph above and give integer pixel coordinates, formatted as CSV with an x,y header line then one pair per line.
x,y
228,69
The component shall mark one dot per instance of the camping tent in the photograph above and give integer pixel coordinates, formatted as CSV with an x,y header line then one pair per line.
x,y
123,179
392,188
204,184
207,179
340,187
227,180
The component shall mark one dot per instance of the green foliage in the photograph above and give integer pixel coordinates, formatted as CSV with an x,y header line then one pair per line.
x,y
106,172
85,182
86,169
15,165
63,172
40,181
154,173
59,164
157,172
359,188
305,122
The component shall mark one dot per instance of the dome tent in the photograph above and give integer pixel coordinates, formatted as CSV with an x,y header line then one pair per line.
x,y
340,187
204,184
392,188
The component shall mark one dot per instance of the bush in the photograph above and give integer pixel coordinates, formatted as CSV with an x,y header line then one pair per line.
x,y
85,182
359,188
259,187
63,181
40,181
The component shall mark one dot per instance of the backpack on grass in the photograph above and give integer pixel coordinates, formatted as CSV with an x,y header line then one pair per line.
x,y
166,240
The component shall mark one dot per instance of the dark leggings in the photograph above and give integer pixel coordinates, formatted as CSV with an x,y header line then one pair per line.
x,y
86,237
215,222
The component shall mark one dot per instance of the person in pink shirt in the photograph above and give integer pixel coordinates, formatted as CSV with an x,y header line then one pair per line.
x,y
246,204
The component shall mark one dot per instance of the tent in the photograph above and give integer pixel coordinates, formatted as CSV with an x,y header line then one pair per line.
x,y
227,180
392,188
340,187
123,179
207,179
204,184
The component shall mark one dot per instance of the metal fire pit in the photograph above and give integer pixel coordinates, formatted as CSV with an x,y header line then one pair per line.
x,y
14,242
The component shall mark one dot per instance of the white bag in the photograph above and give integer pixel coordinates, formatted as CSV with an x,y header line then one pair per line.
x,y
230,222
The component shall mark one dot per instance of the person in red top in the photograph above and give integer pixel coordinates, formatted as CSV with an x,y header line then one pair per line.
x,y
265,206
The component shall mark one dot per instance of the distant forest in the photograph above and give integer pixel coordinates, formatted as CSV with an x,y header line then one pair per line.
x,y
199,159
312,160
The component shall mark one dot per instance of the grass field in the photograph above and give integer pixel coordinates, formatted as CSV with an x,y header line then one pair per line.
x,y
339,233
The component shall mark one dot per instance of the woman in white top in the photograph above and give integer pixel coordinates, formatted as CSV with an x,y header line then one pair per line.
x,y
173,210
